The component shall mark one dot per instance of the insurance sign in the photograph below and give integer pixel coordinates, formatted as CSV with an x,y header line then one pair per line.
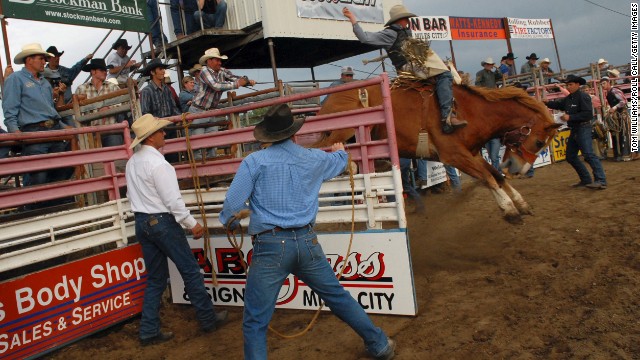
x,y
126,15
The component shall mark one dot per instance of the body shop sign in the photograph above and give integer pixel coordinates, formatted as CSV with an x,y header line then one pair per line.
x,y
48,309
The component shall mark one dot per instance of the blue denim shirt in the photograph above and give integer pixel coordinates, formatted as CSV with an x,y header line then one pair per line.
x,y
27,100
67,75
281,183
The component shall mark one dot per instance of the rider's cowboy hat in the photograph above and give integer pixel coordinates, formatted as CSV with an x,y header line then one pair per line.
x,y
211,53
121,42
145,126
545,60
153,64
196,67
574,79
95,64
398,12
29,50
487,61
278,124
54,50
532,56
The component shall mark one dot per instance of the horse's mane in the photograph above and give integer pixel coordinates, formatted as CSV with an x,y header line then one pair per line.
x,y
509,93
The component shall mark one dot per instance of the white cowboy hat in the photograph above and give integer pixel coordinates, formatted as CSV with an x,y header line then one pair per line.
x,y
144,126
167,79
613,72
602,61
545,60
211,53
398,12
487,61
196,67
28,50
114,81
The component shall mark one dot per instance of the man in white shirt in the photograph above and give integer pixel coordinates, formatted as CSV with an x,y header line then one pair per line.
x,y
152,189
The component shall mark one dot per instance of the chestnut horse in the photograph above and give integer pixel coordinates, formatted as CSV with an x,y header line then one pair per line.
x,y
523,123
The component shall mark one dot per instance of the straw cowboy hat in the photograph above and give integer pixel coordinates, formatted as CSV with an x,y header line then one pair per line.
x,y
613,72
278,124
486,61
167,79
574,79
398,12
113,81
211,53
545,60
602,61
196,67
29,50
153,64
144,126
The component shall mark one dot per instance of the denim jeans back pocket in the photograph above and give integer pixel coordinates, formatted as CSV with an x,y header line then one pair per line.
x,y
268,252
315,250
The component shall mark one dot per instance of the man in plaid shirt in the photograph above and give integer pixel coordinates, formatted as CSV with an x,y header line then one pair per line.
x,y
98,86
214,80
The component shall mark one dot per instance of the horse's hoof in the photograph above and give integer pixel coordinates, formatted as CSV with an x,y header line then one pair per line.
x,y
515,219
525,210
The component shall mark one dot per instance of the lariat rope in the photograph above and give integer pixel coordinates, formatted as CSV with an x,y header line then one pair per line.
x,y
196,184
231,236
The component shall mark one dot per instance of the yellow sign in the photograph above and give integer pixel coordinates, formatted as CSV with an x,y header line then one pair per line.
x,y
559,145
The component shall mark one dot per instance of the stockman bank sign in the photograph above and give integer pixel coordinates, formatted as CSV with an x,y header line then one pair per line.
x,y
377,275
47,309
126,15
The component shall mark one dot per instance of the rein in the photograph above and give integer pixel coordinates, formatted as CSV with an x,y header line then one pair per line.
x,y
514,141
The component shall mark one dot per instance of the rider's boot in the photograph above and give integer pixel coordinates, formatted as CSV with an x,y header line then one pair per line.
x,y
454,123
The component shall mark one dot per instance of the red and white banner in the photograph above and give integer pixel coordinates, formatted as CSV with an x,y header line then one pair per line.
x,y
51,308
378,273
430,28
530,28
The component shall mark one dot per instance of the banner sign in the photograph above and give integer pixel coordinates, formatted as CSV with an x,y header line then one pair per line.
x,y
436,173
559,145
50,308
471,28
543,159
126,15
378,273
364,10
430,28
530,28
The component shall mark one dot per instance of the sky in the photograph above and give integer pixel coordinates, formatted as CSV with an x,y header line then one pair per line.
x,y
584,33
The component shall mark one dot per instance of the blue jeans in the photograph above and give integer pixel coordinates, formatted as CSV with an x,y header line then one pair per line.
x,y
580,140
408,186
276,254
211,152
46,176
189,6
212,20
422,169
159,240
493,149
453,177
152,16
444,90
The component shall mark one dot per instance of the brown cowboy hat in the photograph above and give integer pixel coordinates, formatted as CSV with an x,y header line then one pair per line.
x,y
278,124
398,12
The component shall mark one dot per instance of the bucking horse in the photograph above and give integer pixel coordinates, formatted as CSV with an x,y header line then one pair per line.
x,y
523,124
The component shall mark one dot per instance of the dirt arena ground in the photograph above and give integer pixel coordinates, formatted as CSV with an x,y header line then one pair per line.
x,y
565,285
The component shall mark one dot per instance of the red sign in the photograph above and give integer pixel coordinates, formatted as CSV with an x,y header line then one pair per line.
x,y
466,28
51,308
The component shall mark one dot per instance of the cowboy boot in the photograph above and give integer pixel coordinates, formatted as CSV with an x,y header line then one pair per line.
x,y
456,123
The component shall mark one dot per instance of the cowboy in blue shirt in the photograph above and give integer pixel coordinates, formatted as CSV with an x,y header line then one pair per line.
x,y
282,183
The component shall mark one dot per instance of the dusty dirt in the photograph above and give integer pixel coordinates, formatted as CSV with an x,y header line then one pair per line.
x,y
565,285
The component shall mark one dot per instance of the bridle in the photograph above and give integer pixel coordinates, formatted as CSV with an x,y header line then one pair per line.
x,y
514,141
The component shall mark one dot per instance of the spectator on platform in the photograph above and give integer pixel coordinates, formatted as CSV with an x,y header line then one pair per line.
x,y
488,78
214,80
120,66
28,106
187,93
67,75
160,213
174,94
157,36
528,68
617,106
188,7
156,98
98,86
578,114
603,65
195,72
281,183
508,67
346,75
546,71
210,14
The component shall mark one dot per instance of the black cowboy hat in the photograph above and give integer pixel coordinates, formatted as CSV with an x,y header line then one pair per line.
x,y
510,56
278,124
95,64
574,79
532,56
153,64
120,42
53,50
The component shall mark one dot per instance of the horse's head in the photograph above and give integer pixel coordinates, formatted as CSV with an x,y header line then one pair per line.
x,y
525,143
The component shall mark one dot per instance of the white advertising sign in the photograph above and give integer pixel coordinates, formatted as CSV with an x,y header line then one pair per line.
x,y
436,173
365,11
530,28
378,273
543,159
430,28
